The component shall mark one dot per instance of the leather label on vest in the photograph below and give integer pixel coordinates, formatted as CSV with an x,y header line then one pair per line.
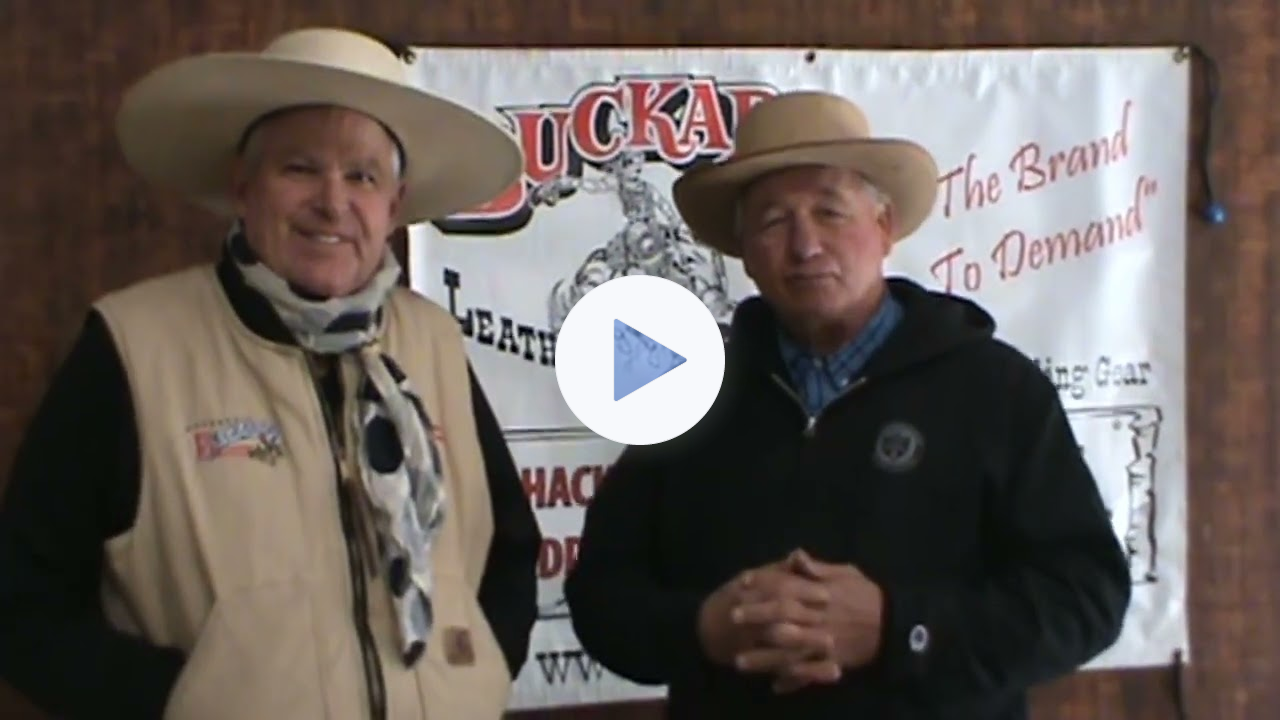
x,y
457,646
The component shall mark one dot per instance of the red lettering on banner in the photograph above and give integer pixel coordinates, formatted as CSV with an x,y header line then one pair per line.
x,y
742,98
1036,169
557,556
560,486
976,191
1017,253
587,108
649,126
969,186
703,127
676,119
952,270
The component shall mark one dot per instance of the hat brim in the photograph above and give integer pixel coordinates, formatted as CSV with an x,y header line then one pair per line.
x,y
180,125
707,196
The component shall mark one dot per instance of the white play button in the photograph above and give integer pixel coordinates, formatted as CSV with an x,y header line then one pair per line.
x,y
639,360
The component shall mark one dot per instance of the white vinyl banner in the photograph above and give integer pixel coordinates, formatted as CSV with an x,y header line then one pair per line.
x,y
1061,209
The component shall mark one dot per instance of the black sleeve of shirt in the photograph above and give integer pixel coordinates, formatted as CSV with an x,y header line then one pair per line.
x,y
625,614
1059,586
509,589
74,484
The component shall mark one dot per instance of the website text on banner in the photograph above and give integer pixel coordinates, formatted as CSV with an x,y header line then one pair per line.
x,y
1061,208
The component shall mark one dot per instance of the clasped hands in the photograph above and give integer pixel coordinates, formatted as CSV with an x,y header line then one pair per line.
x,y
799,620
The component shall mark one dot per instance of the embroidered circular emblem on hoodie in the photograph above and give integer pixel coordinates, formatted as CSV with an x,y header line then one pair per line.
x,y
899,447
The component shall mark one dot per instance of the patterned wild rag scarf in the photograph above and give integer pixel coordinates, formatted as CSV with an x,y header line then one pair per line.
x,y
399,462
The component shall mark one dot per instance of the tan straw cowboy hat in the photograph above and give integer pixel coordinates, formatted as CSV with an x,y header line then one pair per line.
x,y
805,128
181,125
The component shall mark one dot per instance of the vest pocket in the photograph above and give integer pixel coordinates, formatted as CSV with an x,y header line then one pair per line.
x,y
255,657
465,673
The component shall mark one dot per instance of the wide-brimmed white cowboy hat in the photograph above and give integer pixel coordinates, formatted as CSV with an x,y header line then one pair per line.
x,y
180,126
798,128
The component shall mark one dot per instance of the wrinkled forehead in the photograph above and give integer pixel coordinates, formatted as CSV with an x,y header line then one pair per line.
x,y
297,111
815,181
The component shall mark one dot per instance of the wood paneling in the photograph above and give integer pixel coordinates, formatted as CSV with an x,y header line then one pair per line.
x,y
74,223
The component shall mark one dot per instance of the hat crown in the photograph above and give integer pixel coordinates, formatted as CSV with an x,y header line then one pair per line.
x,y
341,49
800,118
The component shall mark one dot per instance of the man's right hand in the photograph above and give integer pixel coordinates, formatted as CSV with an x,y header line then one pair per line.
x,y
731,630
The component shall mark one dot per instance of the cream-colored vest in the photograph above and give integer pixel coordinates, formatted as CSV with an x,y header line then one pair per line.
x,y
238,553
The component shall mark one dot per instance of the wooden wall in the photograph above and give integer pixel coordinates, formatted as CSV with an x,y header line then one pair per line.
x,y
74,223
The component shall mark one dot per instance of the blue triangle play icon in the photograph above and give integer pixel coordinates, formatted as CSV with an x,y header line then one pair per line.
x,y
638,360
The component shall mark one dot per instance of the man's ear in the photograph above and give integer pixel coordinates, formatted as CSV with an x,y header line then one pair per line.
x,y
238,183
397,201
748,267
888,224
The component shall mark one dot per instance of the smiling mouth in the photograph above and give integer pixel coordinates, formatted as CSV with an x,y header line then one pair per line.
x,y
321,238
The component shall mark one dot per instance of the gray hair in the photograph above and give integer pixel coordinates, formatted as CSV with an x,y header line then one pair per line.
x,y
879,198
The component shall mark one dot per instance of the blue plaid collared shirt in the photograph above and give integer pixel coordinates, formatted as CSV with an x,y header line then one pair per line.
x,y
819,380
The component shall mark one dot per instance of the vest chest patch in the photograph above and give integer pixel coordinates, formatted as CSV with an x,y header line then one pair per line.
x,y
249,438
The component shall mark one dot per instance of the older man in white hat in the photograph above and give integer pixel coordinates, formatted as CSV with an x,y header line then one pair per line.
x,y
271,487
885,515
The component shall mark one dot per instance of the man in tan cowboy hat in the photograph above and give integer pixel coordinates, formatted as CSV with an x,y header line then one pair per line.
x,y
271,487
885,515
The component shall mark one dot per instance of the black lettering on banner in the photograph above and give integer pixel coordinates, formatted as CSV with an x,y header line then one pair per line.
x,y
1077,380
503,333
561,667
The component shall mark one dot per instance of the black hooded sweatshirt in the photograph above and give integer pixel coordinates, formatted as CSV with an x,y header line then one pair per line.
x,y
947,472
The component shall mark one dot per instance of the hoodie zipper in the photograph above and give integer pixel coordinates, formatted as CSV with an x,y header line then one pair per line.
x,y
812,419
374,681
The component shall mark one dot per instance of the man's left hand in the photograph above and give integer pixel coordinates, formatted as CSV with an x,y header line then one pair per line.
x,y
853,618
